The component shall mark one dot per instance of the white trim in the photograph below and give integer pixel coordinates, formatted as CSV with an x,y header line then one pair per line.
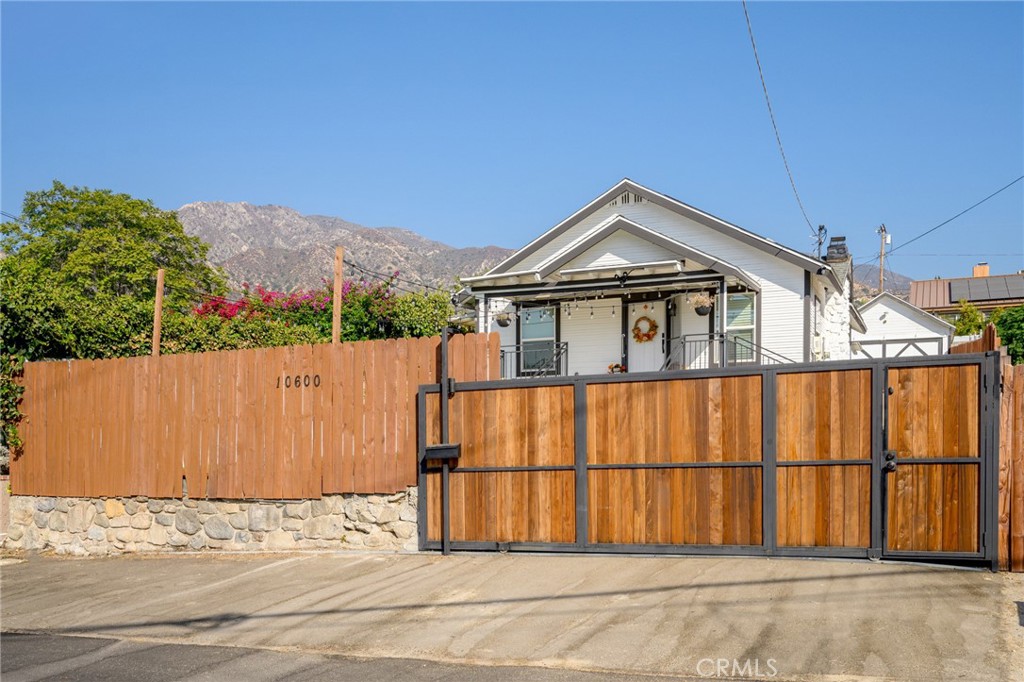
x,y
660,265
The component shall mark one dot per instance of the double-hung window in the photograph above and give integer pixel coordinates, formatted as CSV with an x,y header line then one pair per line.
x,y
537,330
739,324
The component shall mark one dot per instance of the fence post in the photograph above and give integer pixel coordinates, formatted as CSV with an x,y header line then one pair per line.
x,y
158,311
879,404
339,261
769,460
579,388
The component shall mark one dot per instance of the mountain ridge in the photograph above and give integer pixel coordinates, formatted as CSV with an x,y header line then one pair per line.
x,y
280,248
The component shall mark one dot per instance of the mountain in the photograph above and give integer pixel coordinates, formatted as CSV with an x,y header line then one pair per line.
x,y
865,282
282,249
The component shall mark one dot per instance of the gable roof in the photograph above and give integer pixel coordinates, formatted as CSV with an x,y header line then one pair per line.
x,y
808,263
910,309
618,223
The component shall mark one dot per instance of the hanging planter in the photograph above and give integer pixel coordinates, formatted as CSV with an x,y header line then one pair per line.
x,y
702,302
503,320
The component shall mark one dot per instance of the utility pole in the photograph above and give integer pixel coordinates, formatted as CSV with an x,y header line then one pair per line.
x,y
885,239
820,238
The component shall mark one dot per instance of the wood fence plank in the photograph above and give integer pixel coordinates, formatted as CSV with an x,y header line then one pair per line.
x,y
1017,474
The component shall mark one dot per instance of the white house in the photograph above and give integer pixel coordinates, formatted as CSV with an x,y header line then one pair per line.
x,y
617,283
896,328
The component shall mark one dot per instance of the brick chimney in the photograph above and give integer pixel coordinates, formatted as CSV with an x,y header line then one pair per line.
x,y
980,270
837,251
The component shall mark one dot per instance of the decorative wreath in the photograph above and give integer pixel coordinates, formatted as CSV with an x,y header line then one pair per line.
x,y
641,336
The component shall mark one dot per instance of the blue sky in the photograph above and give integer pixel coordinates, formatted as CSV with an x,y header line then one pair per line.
x,y
488,123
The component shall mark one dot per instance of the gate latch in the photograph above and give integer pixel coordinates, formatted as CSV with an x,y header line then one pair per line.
x,y
890,455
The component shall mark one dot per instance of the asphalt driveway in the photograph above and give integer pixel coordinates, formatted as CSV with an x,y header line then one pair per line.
x,y
713,617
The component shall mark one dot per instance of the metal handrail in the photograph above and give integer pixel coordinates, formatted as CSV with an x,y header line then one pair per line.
x,y
515,363
718,349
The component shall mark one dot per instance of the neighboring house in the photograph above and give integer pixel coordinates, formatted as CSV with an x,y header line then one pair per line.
x,y
895,328
986,292
618,282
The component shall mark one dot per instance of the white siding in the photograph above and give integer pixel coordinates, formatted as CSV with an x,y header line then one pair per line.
x,y
620,248
594,342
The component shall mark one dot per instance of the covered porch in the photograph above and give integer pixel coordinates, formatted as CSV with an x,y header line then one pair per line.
x,y
622,298
653,317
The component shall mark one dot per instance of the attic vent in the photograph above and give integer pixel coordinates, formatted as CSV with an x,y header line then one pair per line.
x,y
627,198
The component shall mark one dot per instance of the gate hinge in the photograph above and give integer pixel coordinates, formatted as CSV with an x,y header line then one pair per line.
x,y
451,387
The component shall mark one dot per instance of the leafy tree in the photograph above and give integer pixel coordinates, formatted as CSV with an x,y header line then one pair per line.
x,y
969,320
1010,325
79,277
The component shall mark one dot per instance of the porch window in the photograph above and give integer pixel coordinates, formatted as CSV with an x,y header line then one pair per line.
x,y
537,330
739,324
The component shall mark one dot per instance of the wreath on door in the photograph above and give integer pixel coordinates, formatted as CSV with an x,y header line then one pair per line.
x,y
640,335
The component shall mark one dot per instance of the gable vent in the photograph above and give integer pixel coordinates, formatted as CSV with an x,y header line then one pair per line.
x,y
627,198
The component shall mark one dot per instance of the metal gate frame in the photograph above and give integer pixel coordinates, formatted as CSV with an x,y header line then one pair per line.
x,y
437,458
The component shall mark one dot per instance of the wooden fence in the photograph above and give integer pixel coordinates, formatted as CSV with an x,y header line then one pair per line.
x,y
1011,470
273,423
989,341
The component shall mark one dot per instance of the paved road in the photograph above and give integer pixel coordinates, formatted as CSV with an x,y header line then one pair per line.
x,y
807,620
31,657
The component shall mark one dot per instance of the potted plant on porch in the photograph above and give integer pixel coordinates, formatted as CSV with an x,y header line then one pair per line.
x,y
701,301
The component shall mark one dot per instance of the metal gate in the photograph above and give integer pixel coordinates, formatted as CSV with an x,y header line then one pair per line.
x,y
888,458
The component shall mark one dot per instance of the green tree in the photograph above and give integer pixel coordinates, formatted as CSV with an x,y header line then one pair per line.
x,y
1010,325
79,276
969,320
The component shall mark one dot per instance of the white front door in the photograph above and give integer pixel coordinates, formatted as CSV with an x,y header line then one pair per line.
x,y
645,352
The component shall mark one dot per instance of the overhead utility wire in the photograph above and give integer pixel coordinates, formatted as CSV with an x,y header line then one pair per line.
x,y
396,278
771,114
949,220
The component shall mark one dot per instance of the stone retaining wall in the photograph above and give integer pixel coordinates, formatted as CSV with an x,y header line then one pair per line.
x,y
138,524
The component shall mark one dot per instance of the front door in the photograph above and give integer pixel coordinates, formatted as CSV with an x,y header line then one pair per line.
x,y
932,465
646,336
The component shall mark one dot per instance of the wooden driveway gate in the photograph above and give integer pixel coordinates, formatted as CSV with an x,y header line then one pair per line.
x,y
889,458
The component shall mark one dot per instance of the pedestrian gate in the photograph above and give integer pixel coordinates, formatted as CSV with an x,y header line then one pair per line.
x,y
889,458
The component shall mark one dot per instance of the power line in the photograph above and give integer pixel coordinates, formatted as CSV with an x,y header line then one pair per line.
x,y
396,278
949,220
927,232
771,114
15,218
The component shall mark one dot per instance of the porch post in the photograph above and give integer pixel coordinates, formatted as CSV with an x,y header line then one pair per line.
x,y
722,360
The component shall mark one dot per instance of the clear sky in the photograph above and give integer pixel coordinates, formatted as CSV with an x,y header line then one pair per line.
x,y
488,123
